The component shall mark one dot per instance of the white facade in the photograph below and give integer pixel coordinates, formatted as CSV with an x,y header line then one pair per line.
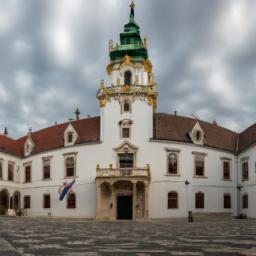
x,y
149,154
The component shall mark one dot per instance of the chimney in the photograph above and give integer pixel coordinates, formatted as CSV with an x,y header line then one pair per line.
x,y
214,122
5,131
175,112
77,113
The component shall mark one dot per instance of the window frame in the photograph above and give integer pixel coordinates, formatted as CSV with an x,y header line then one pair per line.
x,y
74,156
74,206
125,124
227,204
245,203
27,169
130,77
197,203
172,201
245,162
203,156
10,164
223,161
48,206
46,161
25,202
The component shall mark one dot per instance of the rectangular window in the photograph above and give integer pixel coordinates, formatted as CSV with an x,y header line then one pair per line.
x,y
47,201
26,202
226,170
46,169
70,166
126,132
172,200
1,170
245,170
199,165
227,201
10,171
28,173
126,160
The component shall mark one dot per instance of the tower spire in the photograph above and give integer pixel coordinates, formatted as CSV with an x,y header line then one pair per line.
x,y
132,5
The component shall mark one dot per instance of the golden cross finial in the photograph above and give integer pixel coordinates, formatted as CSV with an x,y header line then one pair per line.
x,y
132,5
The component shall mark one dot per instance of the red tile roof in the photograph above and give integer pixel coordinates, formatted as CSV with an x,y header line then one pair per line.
x,y
166,127
88,130
9,146
247,137
176,128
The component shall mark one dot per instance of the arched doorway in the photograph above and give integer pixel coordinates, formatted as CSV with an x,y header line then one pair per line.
x,y
4,201
16,201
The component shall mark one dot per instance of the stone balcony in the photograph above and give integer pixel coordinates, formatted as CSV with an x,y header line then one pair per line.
x,y
140,172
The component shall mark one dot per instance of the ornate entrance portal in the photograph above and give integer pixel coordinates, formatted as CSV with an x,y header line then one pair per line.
x,y
122,194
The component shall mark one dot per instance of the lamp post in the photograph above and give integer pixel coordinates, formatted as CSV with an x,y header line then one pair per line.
x,y
190,217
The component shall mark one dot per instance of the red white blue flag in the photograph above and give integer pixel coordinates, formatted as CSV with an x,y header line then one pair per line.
x,y
65,189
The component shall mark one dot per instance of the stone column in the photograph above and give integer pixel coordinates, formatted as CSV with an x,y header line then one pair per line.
x,y
134,200
98,200
113,202
146,201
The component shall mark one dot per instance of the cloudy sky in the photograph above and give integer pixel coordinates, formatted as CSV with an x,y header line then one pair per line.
x,y
53,54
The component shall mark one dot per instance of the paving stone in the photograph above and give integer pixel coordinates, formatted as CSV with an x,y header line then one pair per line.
x,y
48,236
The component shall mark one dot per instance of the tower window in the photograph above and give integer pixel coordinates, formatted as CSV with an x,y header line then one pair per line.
x,y
128,77
126,160
126,132
126,106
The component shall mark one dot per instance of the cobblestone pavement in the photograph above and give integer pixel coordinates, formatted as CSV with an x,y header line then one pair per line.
x,y
39,236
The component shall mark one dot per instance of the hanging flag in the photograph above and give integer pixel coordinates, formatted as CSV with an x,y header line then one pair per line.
x,y
65,189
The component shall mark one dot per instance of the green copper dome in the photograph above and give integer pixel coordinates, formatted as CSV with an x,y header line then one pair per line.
x,y
130,42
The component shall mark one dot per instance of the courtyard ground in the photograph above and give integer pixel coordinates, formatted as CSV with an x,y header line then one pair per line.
x,y
44,236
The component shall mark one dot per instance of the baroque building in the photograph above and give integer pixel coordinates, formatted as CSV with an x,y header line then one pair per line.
x,y
130,162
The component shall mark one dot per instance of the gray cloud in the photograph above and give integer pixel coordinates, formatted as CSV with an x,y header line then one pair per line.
x,y
54,53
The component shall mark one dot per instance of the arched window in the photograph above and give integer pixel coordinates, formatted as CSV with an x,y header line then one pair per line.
x,y
199,200
172,200
126,106
128,77
71,201
172,164
245,201
227,201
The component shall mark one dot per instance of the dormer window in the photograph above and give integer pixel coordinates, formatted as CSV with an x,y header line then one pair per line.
x,y
29,146
197,134
128,77
70,136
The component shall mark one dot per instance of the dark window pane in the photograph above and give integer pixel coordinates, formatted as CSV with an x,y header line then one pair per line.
x,y
128,77
172,200
227,201
245,172
28,173
26,202
126,106
245,201
126,132
10,172
199,165
71,201
226,170
199,202
126,160
47,201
